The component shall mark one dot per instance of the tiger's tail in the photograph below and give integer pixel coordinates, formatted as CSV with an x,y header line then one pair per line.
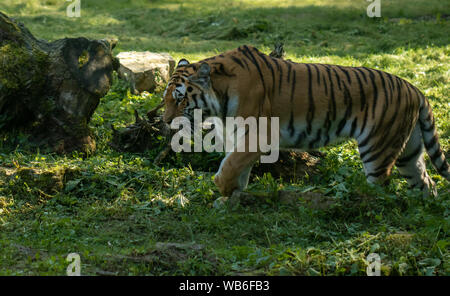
x,y
431,140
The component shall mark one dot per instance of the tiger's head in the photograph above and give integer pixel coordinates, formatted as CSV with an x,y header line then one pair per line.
x,y
189,88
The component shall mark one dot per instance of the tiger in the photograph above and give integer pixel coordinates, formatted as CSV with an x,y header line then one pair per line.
x,y
317,105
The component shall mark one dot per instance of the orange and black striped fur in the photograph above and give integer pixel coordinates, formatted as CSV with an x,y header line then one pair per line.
x,y
317,105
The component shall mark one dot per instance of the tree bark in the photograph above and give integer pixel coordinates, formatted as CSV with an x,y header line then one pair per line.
x,y
51,90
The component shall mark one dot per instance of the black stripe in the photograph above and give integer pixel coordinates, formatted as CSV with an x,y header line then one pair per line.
x,y
426,131
325,84
443,168
294,79
377,174
318,73
246,64
327,123
276,63
269,65
366,140
300,138
362,73
237,61
202,97
410,97
291,124
429,129
436,155
311,107
216,112
362,95
399,89
194,98
391,86
375,91
348,101
333,100
354,123
349,79
289,70
428,119
404,160
418,93
280,76
431,143
220,69
388,143
380,152
327,126
363,127
387,161
291,121
363,154
252,59
226,98
383,84
337,78
316,139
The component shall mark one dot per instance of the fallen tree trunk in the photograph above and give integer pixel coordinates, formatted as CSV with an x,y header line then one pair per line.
x,y
52,89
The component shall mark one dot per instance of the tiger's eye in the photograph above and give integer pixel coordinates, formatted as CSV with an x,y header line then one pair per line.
x,y
190,89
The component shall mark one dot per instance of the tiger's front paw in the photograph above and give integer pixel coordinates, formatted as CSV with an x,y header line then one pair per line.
x,y
429,188
226,187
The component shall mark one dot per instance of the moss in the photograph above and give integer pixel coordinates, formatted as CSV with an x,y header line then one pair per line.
x,y
399,240
83,59
22,78
22,67
51,180
11,28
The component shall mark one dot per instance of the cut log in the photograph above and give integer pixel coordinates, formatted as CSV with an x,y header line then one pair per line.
x,y
51,90
145,71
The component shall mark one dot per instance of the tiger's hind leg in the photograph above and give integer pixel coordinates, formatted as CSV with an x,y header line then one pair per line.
x,y
378,172
411,164
377,161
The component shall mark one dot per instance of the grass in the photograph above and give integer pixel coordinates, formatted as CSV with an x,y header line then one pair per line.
x,y
117,210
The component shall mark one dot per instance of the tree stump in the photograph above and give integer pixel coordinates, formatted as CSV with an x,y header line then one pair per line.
x,y
50,90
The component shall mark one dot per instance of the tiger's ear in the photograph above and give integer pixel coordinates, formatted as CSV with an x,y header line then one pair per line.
x,y
183,62
204,70
202,76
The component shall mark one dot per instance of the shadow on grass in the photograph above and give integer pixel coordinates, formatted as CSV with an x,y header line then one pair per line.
x,y
308,30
